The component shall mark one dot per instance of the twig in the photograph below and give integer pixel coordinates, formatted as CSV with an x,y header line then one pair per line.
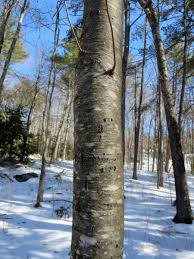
x,y
6,176
59,200
113,41
72,29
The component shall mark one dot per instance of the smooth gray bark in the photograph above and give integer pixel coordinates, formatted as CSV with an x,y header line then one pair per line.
x,y
98,169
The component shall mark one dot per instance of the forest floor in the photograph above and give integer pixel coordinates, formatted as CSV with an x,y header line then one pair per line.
x,y
30,233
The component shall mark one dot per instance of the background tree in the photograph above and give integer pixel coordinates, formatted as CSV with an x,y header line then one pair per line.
x,y
184,213
13,43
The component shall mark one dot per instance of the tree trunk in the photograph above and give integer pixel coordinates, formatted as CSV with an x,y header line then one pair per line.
x,y
25,139
183,207
160,181
98,169
125,65
60,127
128,151
154,140
142,143
135,129
167,159
139,112
47,114
149,134
12,46
65,136
184,69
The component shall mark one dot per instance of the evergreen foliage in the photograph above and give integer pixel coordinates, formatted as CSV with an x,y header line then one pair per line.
x,y
19,53
12,132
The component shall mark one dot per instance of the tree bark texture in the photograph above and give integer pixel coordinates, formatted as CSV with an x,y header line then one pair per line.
x,y
183,207
98,170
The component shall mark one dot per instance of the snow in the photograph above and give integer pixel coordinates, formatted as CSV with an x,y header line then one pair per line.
x,y
30,233
87,241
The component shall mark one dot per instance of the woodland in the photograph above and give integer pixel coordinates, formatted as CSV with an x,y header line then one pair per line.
x,y
96,129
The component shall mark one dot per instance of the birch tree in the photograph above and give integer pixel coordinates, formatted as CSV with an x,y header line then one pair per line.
x,y
97,231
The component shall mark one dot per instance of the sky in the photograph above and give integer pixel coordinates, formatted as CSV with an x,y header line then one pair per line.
x,y
38,38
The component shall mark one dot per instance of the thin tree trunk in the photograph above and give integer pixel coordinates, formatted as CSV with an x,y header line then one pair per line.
x,y
139,112
149,134
183,207
184,68
47,114
160,141
125,65
142,142
192,142
28,124
135,128
97,231
128,148
66,140
12,46
154,140
65,136
65,113
57,141
160,128
167,160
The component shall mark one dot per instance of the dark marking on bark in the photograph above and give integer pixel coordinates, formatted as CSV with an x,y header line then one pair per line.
x,y
86,184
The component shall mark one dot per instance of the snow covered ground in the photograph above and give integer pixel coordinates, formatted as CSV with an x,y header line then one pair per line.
x,y
30,233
